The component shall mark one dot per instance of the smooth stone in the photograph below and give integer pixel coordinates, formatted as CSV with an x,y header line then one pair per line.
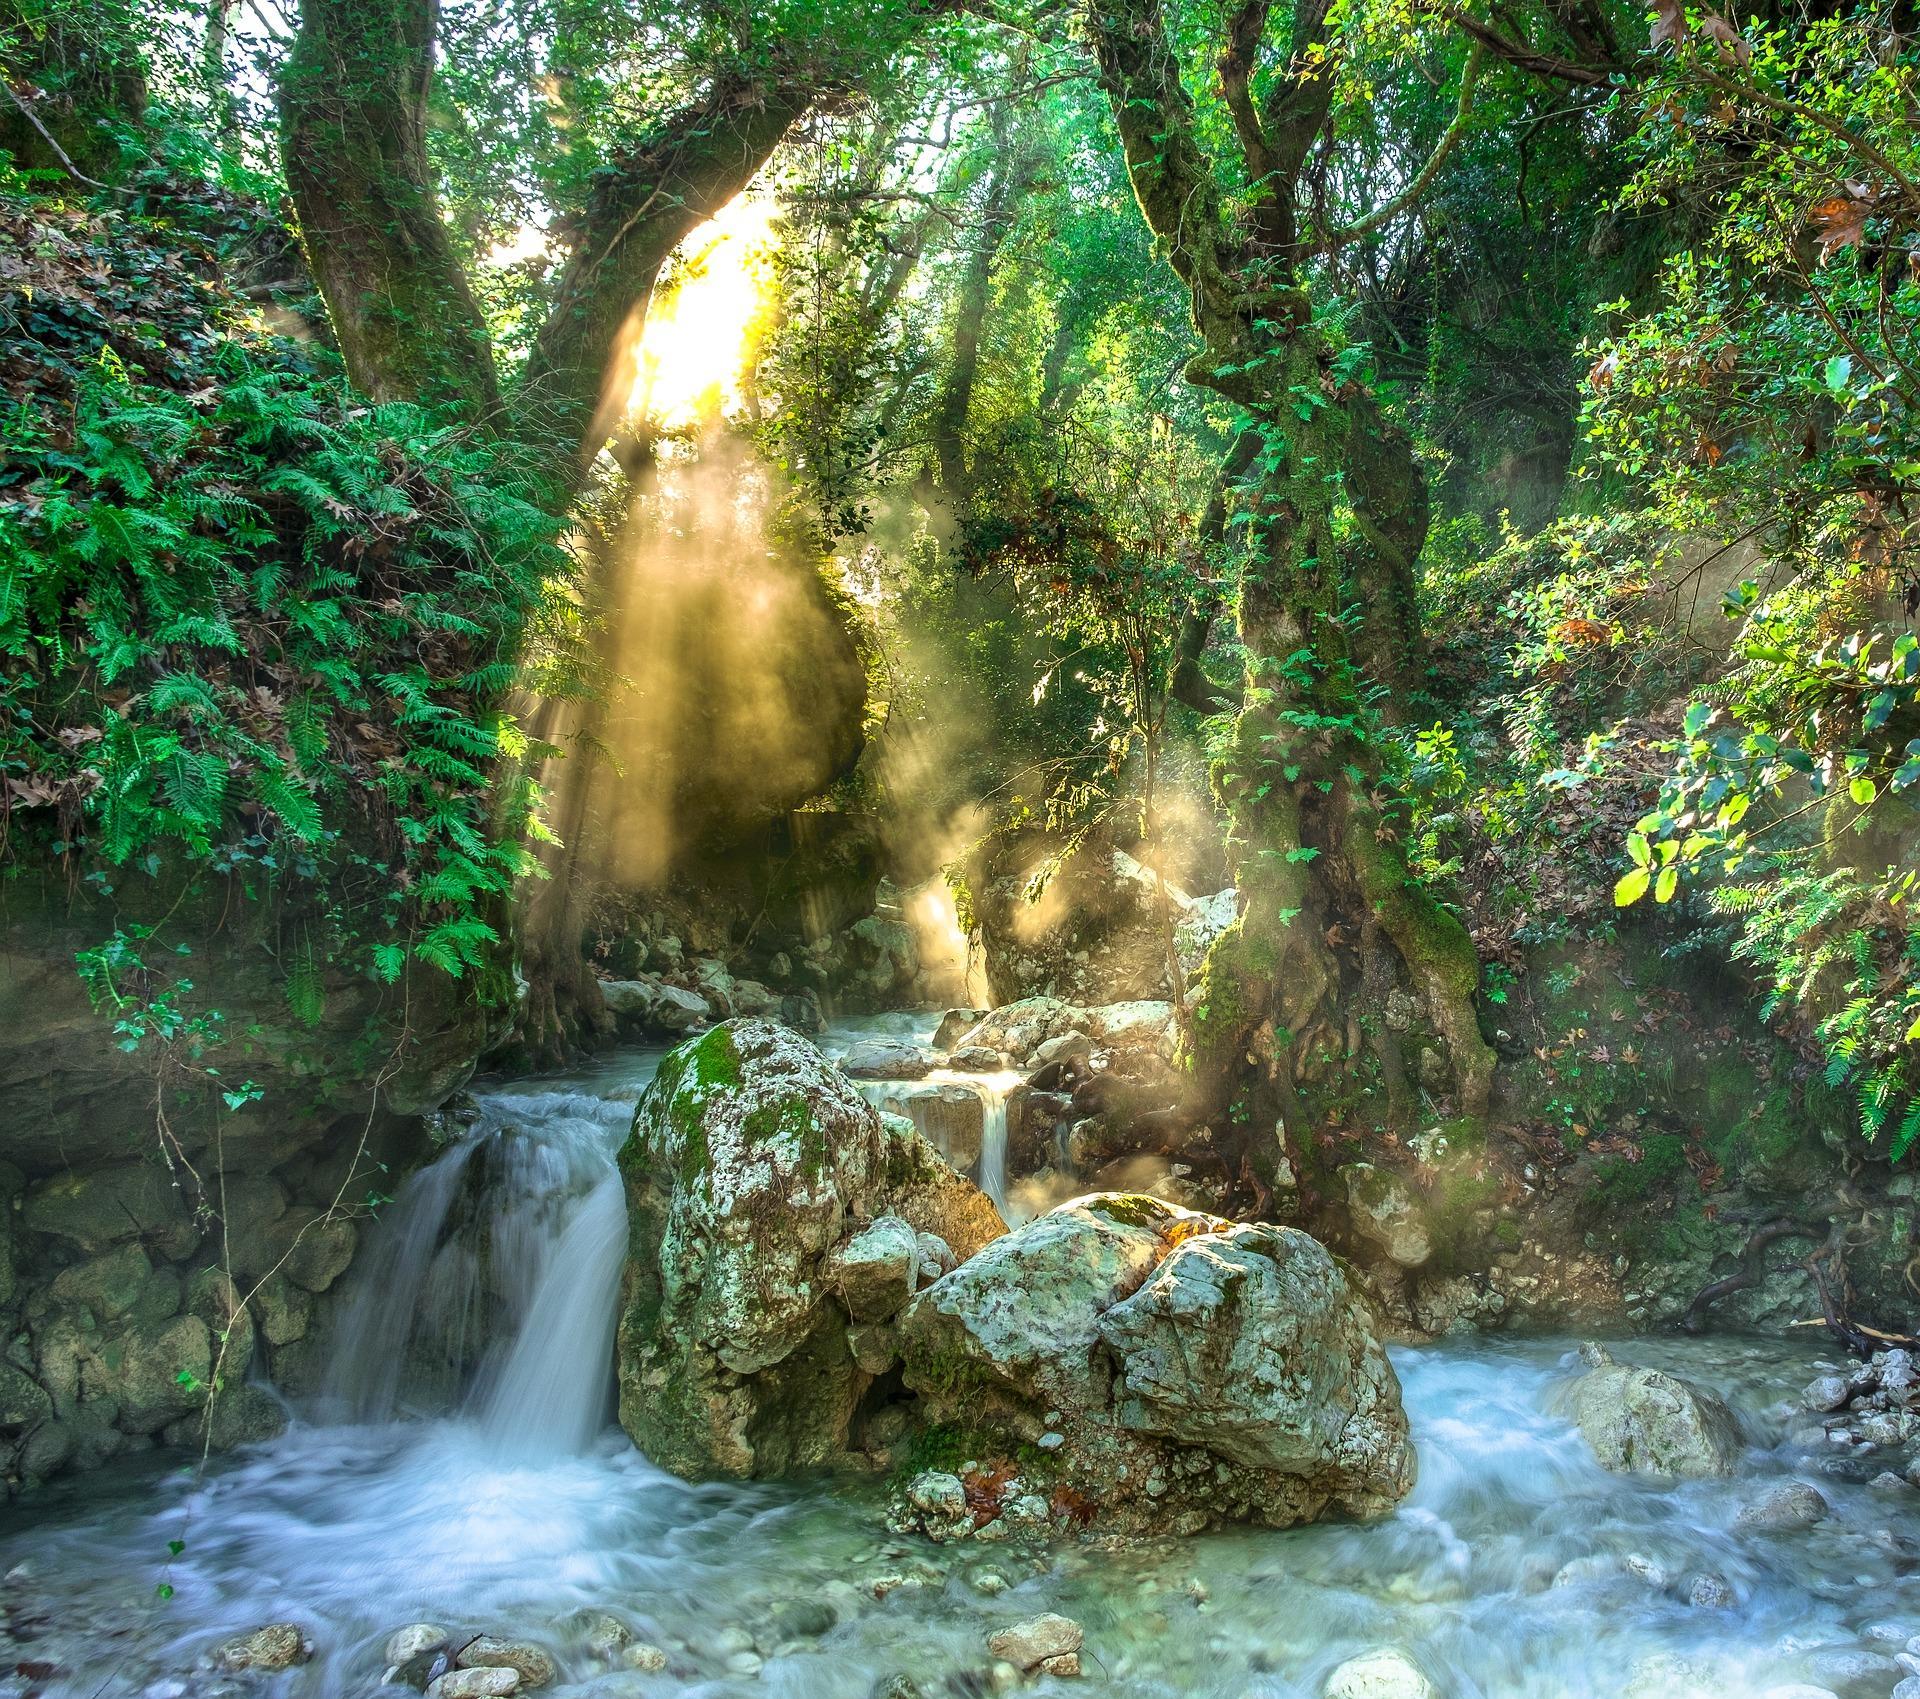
x,y
488,1683
1642,1421
278,1646
1781,1509
406,1644
642,1655
1029,1643
1385,1674
486,1651
1828,1392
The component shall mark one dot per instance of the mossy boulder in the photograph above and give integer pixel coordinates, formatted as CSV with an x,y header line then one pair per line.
x,y
1163,1370
753,1165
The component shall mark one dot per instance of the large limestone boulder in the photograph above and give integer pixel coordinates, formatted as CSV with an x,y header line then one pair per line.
x,y
759,1183
1644,1422
1174,1369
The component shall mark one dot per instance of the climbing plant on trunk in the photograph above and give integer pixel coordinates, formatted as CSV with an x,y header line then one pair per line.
x,y
1332,513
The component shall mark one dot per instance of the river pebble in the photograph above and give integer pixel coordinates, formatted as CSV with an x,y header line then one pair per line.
x,y
488,1683
1028,1644
1382,1674
405,1644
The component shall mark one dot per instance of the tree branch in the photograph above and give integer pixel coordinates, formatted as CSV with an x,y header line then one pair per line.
x,y
1423,180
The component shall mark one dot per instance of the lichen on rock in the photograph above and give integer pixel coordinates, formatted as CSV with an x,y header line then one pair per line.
x,y
756,1177
1161,1370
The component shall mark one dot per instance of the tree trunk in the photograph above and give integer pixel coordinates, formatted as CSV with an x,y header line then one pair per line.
x,y
353,131
1321,877
644,203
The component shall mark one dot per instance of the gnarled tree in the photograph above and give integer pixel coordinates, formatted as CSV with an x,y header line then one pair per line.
x,y
1332,510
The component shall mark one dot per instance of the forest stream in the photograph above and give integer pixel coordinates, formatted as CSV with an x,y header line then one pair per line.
x,y
1518,1568
950,849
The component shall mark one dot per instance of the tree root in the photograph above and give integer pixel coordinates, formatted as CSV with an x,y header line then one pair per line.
x,y
1836,1298
1783,1227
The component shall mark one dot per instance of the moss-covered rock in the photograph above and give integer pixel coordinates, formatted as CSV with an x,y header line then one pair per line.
x,y
752,1165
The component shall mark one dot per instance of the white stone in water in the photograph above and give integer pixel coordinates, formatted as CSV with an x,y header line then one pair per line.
x,y
411,1641
1828,1392
642,1656
488,1683
745,1663
1028,1643
1383,1674
1791,1505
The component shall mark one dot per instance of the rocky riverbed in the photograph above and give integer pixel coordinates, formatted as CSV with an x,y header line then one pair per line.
x,y
1517,1569
1709,1518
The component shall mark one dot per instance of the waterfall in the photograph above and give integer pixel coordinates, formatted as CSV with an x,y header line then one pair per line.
x,y
993,1145
915,1099
492,1284
547,1396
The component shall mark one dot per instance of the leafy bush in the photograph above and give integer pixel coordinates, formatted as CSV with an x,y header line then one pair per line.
x,y
251,624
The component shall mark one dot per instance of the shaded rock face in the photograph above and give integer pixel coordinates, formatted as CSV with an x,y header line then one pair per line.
x,y
1099,930
1176,1370
760,1278
1645,1422
116,1242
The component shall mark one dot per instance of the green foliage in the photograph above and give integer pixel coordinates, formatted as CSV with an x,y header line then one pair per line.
x,y
253,626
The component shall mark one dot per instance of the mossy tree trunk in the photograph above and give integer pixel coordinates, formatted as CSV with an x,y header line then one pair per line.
x,y
1328,900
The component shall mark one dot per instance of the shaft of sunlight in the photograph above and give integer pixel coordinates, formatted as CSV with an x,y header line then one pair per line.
x,y
702,325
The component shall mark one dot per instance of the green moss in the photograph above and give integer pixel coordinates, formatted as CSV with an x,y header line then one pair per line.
x,y
1663,1159
1134,1209
948,1446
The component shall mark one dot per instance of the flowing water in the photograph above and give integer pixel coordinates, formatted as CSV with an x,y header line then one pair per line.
x,y
989,1170
1518,1569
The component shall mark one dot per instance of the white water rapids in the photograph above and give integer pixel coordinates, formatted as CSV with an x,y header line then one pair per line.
x,y
1518,1569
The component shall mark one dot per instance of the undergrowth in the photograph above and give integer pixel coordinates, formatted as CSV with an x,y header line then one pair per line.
x,y
252,626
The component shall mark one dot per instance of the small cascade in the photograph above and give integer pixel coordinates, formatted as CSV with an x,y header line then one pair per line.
x,y
491,1287
929,1104
993,1145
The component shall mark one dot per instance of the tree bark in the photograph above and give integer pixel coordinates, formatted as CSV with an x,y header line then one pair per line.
x,y
647,200
353,124
1318,868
